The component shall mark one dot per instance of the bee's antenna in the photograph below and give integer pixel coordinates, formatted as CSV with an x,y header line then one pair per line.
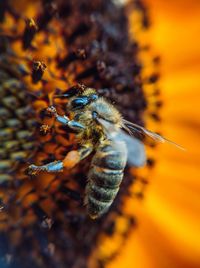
x,y
61,96
69,92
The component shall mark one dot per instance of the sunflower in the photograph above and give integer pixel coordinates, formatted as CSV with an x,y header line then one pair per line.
x,y
43,221
48,47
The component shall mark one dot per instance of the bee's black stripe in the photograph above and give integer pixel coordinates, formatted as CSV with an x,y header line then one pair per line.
x,y
101,193
96,207
105,176
113,160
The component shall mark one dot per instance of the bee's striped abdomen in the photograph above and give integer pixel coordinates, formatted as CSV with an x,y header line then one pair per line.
x,y
105,176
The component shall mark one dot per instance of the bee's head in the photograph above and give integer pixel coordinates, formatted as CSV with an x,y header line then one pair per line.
x,y
82,99
79,96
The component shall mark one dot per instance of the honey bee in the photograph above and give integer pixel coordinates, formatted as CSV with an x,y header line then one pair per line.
x,y
99,128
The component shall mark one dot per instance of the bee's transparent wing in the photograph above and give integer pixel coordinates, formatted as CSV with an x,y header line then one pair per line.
x,y
136,152
131,128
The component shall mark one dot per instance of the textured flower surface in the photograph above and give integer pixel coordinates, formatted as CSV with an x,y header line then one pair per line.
x,y
168,232
47,47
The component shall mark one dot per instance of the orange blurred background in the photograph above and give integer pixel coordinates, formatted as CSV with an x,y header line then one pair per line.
x,y
168,233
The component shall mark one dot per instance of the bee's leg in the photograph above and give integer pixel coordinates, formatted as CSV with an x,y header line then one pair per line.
x,y
55,166
74,157
63,119
71,159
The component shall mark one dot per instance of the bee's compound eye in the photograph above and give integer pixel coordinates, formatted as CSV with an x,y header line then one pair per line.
x,y
80,102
